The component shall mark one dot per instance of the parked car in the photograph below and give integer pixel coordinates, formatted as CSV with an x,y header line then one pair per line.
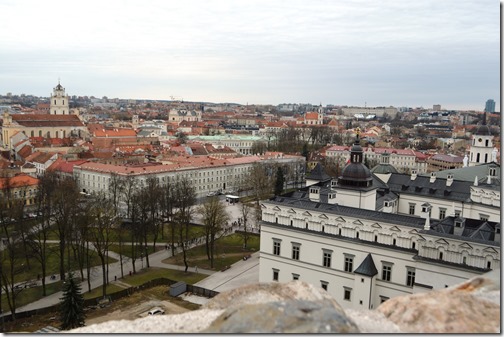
x,y
156,311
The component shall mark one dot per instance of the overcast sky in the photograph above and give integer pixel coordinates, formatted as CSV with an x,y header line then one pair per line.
x,y
344,52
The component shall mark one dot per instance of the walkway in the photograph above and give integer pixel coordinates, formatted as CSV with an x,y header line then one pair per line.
x,y
242,272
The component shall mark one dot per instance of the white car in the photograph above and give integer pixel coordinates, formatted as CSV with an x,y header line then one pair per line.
x,y
156,311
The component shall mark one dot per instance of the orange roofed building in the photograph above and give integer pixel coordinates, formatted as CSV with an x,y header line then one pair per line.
x,y
19,187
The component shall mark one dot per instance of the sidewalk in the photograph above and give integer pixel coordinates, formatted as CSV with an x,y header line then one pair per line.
x,y
242,272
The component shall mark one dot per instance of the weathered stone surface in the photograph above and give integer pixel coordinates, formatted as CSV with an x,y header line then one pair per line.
x,y
270,292
189,322
371,321
297,307
462,309
292,316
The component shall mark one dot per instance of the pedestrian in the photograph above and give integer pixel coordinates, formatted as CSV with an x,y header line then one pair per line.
x,y
196,269
115,278
166,247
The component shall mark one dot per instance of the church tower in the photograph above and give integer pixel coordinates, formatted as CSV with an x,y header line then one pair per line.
x,y
59,101
481,145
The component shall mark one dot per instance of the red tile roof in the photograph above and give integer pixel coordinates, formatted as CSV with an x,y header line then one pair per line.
x,y
19,180
46,120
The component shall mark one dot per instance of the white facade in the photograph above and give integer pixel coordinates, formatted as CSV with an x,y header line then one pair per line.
x,y
407,258
222,174
481,149
59,101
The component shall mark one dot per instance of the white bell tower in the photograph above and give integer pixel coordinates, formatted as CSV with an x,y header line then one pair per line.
x,y
481,145
59,101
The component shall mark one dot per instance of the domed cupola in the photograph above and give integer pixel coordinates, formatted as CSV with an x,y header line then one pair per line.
x,y
355,173
483,129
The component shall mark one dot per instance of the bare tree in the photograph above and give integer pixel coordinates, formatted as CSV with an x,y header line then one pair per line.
x,y
215,217
66,198
245,211
184,195
103,222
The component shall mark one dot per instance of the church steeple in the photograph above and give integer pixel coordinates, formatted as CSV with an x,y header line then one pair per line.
x,y
59,101
481,145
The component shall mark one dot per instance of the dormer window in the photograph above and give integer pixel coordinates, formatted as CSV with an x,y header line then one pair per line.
x,y
458,223
493,172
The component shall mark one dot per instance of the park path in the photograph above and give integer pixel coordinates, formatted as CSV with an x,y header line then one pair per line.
x,y
96,278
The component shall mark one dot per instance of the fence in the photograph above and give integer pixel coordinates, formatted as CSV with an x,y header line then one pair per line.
x,y
91,302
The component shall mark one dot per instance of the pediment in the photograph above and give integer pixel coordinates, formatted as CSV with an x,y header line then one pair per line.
x,y
291,211
465,245
442,241
323,216
340,219
395,229
376,225
358,222
413,231
307,213
276,208
263,206
490,250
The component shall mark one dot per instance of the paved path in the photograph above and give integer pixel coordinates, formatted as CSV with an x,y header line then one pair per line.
x,y
242,272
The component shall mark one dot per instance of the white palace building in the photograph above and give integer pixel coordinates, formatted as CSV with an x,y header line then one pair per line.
x,y
368,237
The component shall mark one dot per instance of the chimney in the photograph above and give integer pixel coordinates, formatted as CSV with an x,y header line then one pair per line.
x,y
413,174
476,181
489,179
497,233
449,180
432,177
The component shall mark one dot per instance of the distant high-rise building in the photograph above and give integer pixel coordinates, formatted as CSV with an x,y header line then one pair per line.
x,y
490,106
436,107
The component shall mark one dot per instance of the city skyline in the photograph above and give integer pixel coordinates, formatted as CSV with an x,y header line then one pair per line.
x,y
350,53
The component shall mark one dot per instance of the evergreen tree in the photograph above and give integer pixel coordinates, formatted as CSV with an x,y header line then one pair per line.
x,y
280,180
305,153
71,305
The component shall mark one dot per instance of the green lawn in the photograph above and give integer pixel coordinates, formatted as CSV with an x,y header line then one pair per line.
x,y
148,274
127,249
31,294
97,292
228,250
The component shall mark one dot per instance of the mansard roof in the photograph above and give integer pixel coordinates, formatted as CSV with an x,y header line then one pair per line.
x,y
302,201
474,230
421,186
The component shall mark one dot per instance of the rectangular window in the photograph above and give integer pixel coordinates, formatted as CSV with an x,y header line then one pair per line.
x,y
386,272
347,294
442,213
349,263
275,274
484,217
457,213
276,247
326,260
411,209
410,276
324,285
295,251
383,299
295,277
